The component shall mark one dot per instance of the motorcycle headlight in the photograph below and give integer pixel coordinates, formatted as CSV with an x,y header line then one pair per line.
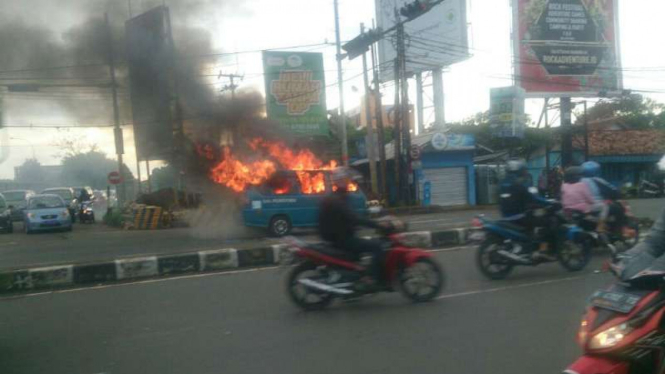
x,y
610,337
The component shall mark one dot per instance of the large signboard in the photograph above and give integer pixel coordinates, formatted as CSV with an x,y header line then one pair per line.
x,y
296,91
507,119
436,39
149,55
566,47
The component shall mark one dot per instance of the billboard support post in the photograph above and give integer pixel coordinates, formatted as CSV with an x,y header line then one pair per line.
x,y
566,134
340,84
371,152
586,133
116,113
439,101
547,142
397,134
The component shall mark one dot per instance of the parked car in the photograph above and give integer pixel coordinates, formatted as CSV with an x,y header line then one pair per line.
x,y
280,204
69,196
6,223
16,201
47,212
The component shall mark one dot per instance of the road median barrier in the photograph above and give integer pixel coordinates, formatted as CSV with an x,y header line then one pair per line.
x,y
140,268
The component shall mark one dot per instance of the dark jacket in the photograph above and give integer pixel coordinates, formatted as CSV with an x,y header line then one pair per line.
x,y
337,221
515,198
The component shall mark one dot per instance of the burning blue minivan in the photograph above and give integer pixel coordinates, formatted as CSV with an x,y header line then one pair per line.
x,y
291,199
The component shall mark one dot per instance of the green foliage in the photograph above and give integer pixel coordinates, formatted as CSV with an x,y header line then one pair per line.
x,y
90,169
634,112
114,218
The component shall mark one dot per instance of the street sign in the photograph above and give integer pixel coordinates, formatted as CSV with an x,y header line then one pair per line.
x,y
415,153
439,141
114,178
427,193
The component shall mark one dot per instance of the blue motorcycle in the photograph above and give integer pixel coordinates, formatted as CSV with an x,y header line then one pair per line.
x,y
506,245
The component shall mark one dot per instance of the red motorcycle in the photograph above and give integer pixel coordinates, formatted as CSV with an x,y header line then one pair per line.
x,y
325,273
623,331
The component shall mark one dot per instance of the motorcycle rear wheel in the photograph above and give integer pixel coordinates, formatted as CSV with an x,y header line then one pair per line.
x,y
422,281
304,297
485,258
574,256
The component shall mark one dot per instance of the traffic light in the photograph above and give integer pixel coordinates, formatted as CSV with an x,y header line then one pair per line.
x,y
361,43
415,9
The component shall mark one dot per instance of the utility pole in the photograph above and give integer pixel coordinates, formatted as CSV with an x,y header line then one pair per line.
x,y
117,131
231,87
586,133
378,106
340,84
547,142
397,134
566,134
421,105
403,87
371,152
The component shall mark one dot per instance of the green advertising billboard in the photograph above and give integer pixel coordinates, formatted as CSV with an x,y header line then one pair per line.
x,y
296,91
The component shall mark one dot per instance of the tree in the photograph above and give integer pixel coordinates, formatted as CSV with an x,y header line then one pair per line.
x,y
90,169
164,177
633,111
30,172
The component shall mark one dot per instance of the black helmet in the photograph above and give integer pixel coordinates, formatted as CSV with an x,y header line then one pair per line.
x,y
573,174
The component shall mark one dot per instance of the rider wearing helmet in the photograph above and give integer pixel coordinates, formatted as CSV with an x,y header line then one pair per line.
x,y
575,194
338,222
602,192
516,201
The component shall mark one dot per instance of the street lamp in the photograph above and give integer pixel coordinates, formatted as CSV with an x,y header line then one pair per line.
x,y
29,143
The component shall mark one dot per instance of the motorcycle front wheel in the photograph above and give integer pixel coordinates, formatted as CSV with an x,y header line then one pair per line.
x,y
304,297
490,262
574,255
422,281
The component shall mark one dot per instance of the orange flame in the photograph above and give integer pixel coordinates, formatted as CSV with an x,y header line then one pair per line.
x,y
238,175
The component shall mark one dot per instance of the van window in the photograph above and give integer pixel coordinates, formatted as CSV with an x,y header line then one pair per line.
x,y
312,182
280,185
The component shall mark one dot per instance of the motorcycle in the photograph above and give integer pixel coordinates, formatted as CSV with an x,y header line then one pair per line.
x,y
649,189
505,245
86,212
619,237
324,273
622,330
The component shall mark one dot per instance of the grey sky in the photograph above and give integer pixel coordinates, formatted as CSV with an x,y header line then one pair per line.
x,y
266,24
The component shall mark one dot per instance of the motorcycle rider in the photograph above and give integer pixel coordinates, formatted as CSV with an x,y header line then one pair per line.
x,y
516,202
602,192
575,194
338,223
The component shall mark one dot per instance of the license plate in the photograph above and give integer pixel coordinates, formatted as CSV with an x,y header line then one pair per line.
x,y
477,236
615,301
50,223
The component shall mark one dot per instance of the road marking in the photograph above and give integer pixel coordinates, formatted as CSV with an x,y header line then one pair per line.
x,y
507,288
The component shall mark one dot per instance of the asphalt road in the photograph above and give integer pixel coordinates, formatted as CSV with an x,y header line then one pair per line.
x,y
242,322
89,243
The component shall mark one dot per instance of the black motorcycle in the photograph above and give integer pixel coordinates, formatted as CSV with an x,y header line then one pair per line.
x,y
86,212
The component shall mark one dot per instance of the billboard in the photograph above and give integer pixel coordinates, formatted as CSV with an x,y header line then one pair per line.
x,y
436,39
507,118
296,91
566,48
149,58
